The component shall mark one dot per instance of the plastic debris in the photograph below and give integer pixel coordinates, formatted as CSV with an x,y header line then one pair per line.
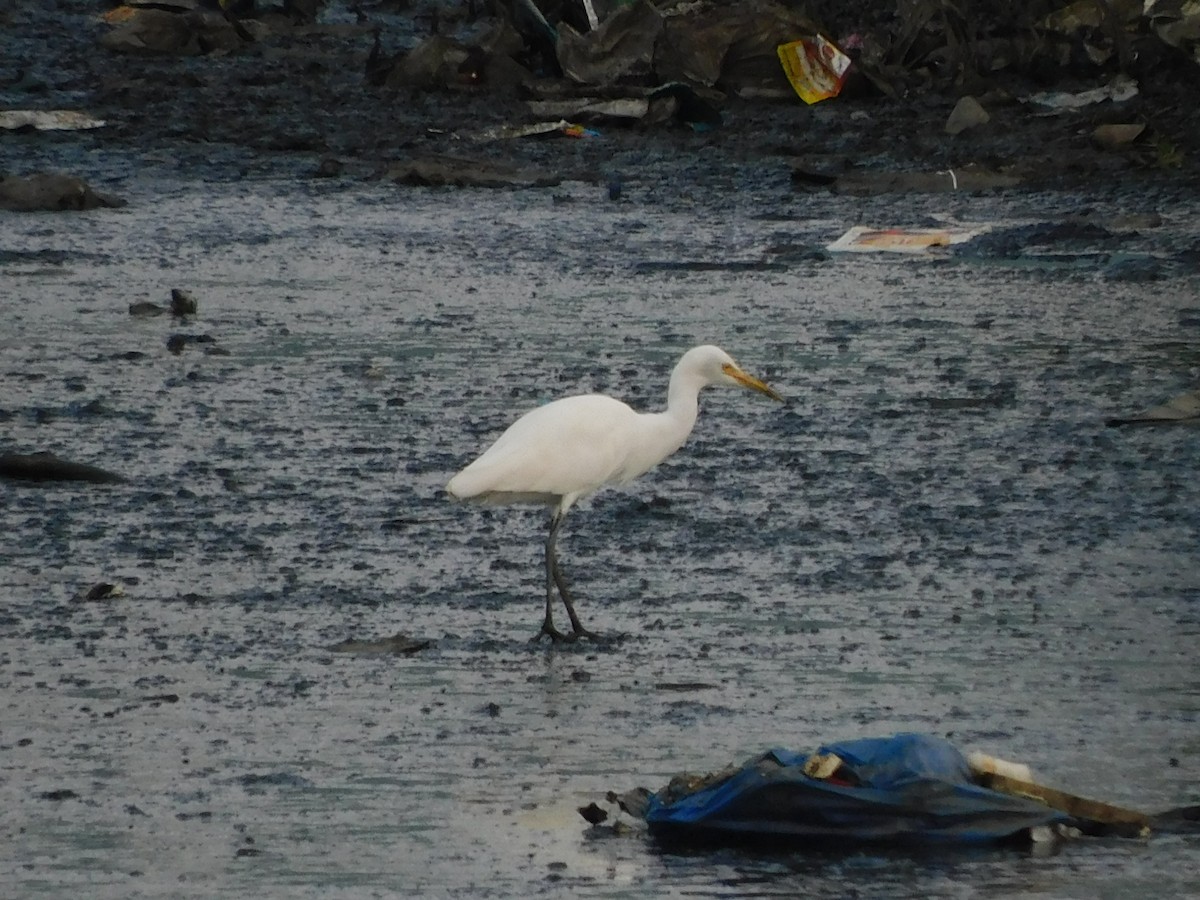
x,y
1182,410
622,47
1118,90
629,108
816,67
907,789
733,46
1177,24
967,113
399,644
48,120
671,101
862,239
1117,135
557,128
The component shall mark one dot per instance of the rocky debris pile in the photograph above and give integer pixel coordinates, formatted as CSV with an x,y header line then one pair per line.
x,y
1022,92
729,46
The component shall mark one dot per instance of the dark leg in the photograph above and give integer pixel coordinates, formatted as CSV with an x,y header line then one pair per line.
x,y
577,629
548,628
554,571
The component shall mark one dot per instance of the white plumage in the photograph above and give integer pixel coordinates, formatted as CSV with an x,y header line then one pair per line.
x,y
567,449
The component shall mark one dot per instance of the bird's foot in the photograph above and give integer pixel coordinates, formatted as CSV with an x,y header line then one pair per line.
x,y
574,636
556,636
579,634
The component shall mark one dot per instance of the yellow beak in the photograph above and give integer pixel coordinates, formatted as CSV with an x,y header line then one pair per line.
x,y
749,381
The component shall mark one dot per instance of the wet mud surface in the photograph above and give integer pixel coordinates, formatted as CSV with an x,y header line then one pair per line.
x,y
935,533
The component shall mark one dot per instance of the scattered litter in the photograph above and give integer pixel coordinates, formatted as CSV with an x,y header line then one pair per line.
x,y
1112,136
733,46
593,19
1118,90
685,103
592,108
621,48
967,113
1182,410
1177,24
909,789
863,239
559,128
815,67
48,120
399,644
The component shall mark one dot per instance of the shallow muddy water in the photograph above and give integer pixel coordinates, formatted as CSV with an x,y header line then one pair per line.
x,y
935,533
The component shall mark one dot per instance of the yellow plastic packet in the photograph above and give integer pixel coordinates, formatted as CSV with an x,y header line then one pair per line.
x,y
815,66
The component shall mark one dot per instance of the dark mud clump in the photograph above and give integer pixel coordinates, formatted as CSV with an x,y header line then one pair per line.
x,y
45,466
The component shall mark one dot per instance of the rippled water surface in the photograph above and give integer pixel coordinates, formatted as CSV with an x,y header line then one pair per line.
x,y
936,533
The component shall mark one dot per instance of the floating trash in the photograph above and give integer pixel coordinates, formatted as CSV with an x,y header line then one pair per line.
x,y
48,120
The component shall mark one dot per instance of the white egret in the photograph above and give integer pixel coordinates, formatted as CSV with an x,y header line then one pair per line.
x,y
570,448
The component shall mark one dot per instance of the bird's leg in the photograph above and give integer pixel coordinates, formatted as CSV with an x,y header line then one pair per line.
x,y
577,629
560,581
548,628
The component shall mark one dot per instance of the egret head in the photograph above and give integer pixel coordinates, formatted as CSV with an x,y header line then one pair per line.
x,y
718,367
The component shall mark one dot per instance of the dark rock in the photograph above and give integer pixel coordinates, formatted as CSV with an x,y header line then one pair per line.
x,y
437,62
61,794
329,167
442,171
148,31
593,814
45,466
42,192
182,303
102,590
